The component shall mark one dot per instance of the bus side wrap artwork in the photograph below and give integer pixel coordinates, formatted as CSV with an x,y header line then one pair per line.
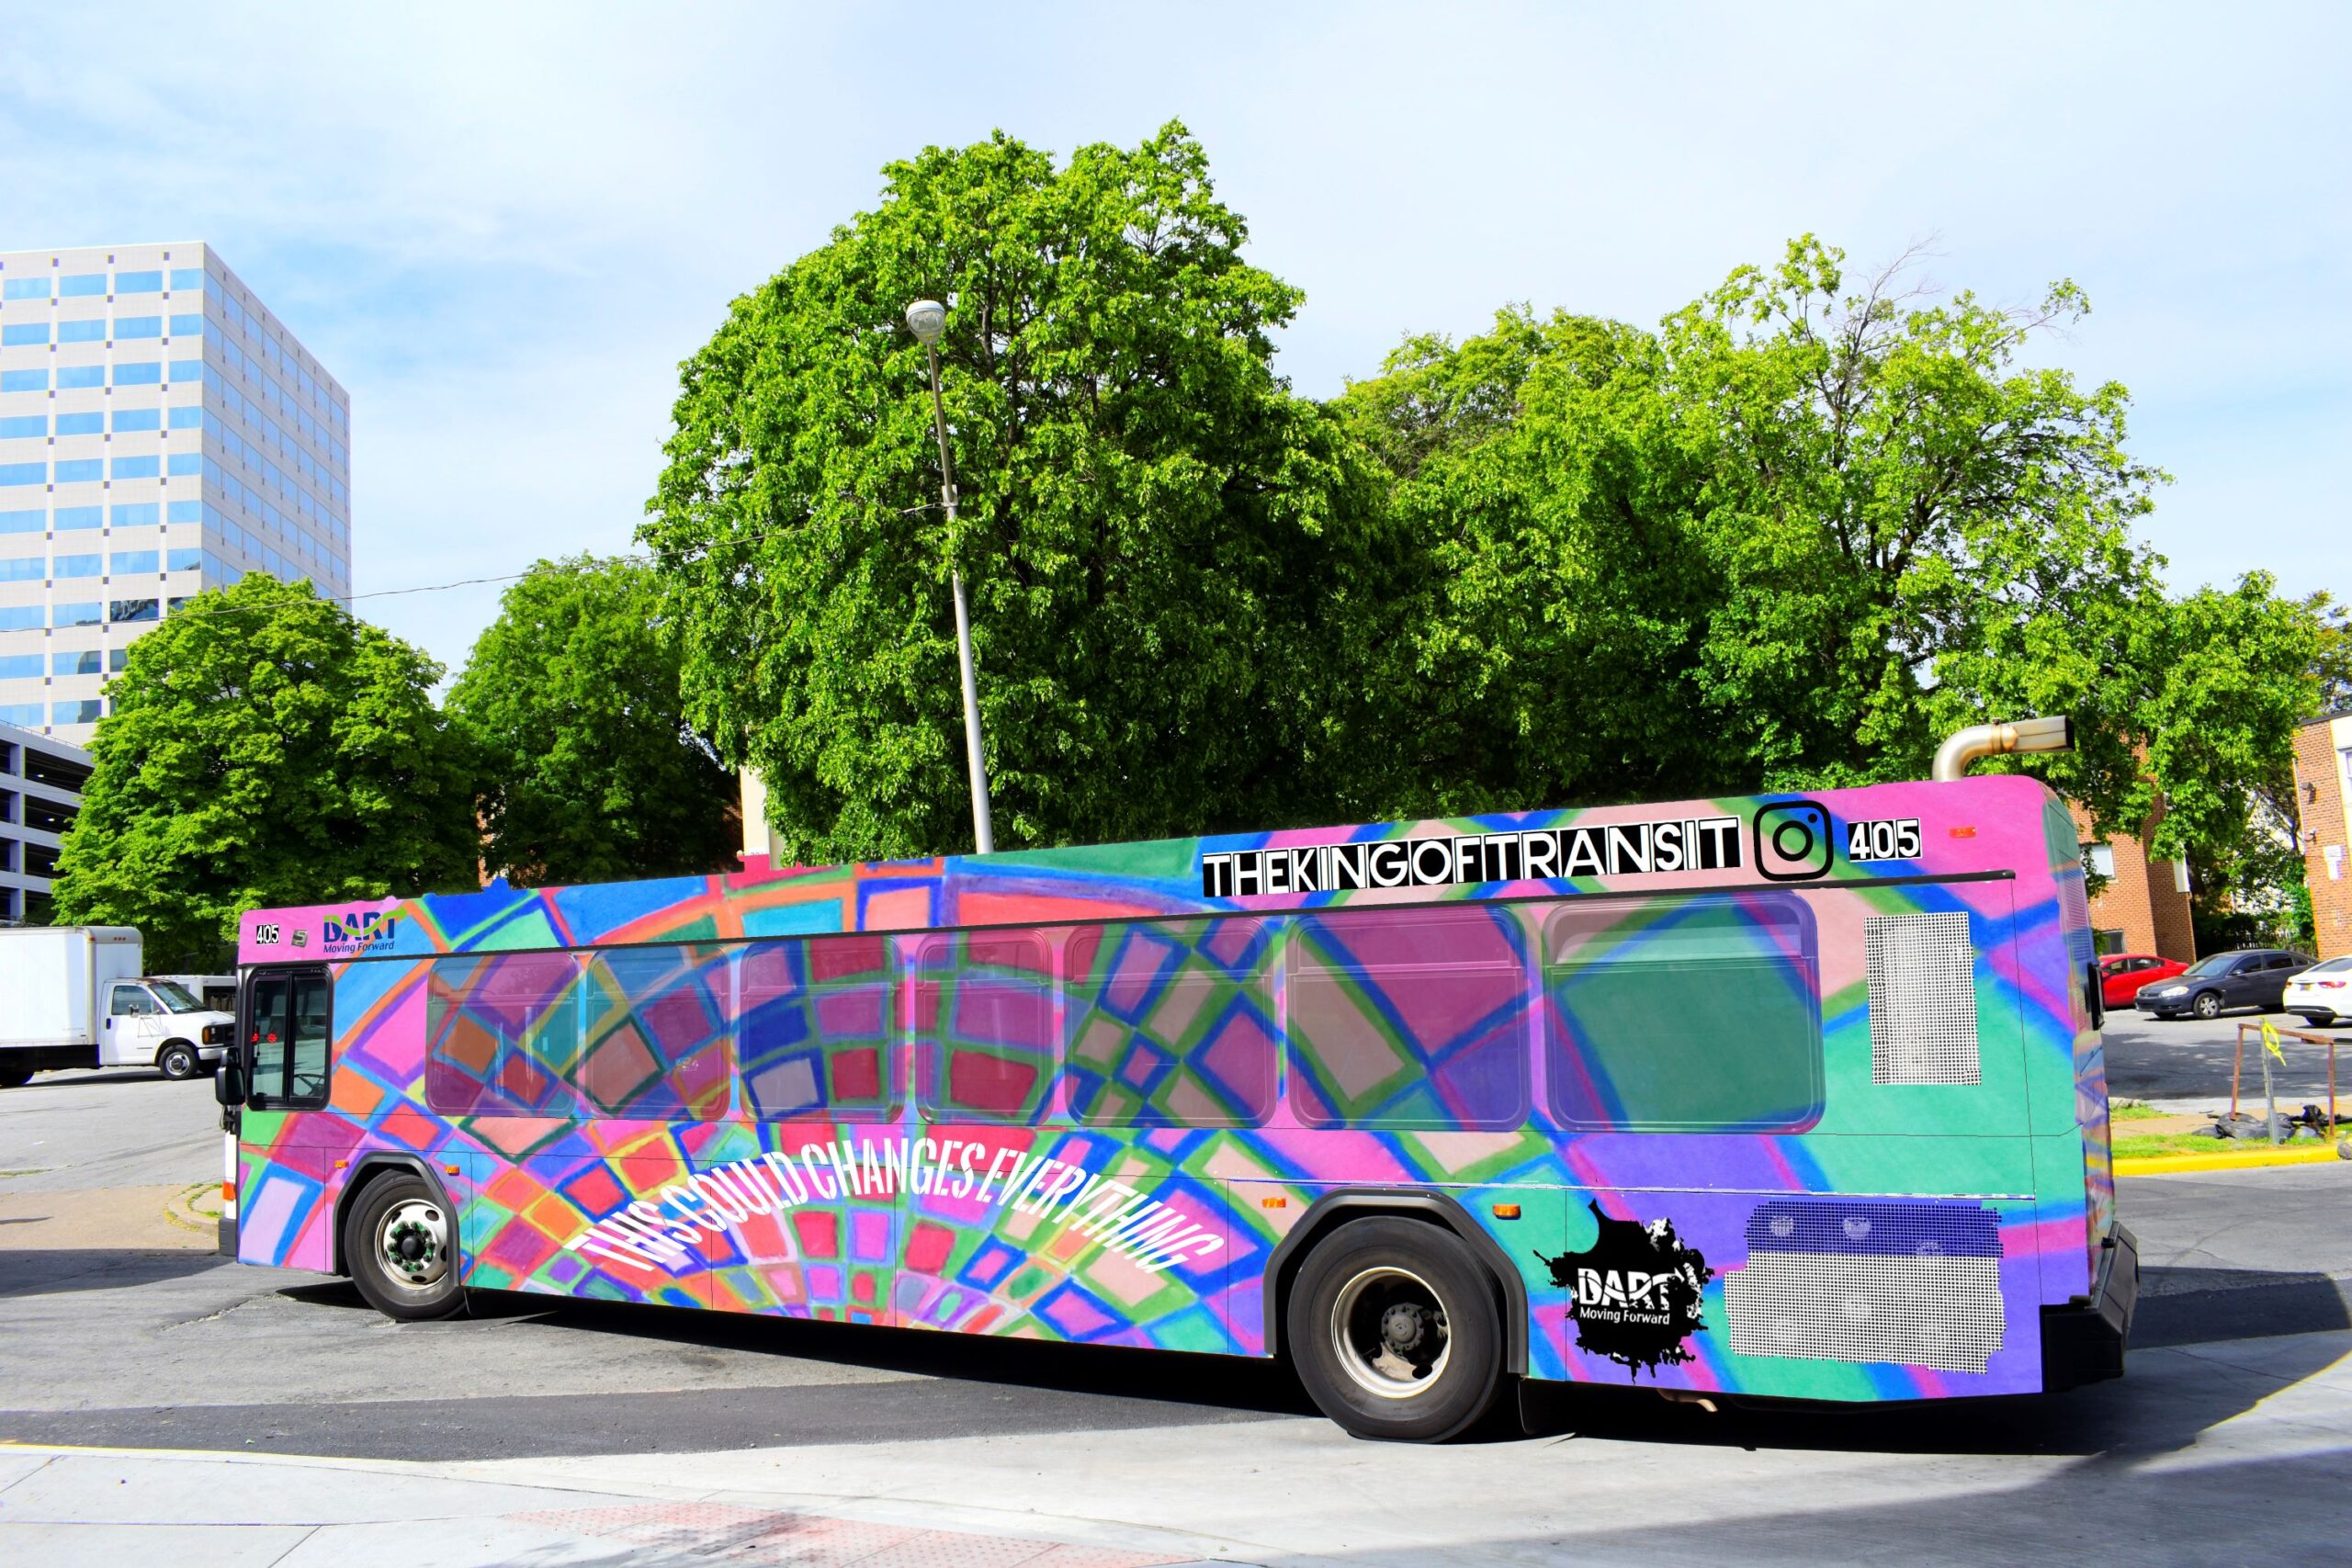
x,y
1813,1134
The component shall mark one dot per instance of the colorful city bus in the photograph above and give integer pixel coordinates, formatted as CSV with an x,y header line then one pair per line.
x,y
1773,1097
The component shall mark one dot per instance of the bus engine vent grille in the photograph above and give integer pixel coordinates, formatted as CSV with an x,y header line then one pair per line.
x,y
1915,1284
1923,999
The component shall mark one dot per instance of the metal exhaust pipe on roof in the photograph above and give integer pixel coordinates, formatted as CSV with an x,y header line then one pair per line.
x,y
2052,734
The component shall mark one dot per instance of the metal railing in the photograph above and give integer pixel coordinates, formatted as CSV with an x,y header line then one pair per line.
x,y
2271,1100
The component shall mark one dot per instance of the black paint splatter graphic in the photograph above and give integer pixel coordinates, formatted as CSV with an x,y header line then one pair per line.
x,y
1635,1292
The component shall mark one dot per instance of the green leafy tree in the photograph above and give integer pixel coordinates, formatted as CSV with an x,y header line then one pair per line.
x,y
1758,548
2186,713
587,767
1167,554
264,748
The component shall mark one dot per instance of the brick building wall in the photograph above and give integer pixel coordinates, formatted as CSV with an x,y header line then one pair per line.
x,y
2143,901
2324,826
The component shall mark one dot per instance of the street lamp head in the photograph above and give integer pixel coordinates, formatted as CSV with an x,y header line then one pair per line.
x,y
927,318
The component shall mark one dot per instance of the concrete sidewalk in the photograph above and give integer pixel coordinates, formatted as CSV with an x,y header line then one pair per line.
x,y
67,1508
2244,1429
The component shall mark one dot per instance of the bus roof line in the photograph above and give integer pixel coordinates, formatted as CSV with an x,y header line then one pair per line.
x,y
1228,913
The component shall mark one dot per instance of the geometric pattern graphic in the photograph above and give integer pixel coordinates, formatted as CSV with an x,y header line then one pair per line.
x,y
985,1002
1410,1017
1067,1095
1923,999
1172,1024
814,1019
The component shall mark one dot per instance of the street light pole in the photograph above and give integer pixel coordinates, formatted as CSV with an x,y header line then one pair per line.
x,y
927,318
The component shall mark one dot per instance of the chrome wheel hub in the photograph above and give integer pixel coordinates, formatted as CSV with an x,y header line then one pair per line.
x,y
1390,1332
412,1241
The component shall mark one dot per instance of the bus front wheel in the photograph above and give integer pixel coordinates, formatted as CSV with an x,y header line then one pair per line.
x,y
400,1241
1393,1330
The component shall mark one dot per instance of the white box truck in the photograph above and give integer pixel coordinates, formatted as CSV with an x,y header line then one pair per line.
x,y
72,997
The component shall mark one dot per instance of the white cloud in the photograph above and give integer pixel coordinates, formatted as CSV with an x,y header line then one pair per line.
x,y
503,226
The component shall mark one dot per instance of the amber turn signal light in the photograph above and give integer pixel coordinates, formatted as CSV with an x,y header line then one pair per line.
x,y
1505,1211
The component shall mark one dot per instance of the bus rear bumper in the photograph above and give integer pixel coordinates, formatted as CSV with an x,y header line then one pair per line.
x,y
2085,1344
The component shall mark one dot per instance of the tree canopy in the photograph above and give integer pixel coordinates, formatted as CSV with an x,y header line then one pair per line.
x,y
1164,564
1786,538
585,766
1757,547
263,747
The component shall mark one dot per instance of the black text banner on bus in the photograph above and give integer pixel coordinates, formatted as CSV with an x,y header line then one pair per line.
x,y
1617,849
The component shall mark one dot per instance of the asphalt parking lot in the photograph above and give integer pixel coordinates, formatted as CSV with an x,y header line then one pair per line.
x,y
581,1432
2183,1059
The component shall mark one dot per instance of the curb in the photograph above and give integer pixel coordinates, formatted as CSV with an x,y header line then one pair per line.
x,y
2164,1165
198,1209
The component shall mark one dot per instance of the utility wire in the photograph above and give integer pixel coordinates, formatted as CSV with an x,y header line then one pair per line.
x,y
506,577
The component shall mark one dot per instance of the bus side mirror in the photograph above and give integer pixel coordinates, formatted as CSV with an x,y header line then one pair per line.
x,y
2098,999
229,1083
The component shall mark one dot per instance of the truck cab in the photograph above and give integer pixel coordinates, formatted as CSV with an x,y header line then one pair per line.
x,y
154,1020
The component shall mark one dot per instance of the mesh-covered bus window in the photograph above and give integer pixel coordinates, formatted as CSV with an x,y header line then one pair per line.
x,y
1683,1015
502,1034
983,1026
654,1028
1169,1024
1408,1018
813,1028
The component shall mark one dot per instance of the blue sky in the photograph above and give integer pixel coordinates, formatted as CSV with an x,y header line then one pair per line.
x,y
501,227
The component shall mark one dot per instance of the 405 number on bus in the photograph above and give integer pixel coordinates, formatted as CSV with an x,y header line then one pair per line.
x,y
1886,838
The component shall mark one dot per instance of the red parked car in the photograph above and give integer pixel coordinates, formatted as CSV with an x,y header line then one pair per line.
x,y
2121,975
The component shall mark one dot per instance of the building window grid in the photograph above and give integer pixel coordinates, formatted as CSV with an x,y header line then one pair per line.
x,y
247,433
298,385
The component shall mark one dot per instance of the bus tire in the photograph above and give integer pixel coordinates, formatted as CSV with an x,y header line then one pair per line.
x,y
400,1243
1393,1328
177,1061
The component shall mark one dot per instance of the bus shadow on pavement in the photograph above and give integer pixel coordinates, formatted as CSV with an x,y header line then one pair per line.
x,y
2163,1404
1232,1382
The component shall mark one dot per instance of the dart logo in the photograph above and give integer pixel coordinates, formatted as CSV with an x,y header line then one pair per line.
x,y
1636,1293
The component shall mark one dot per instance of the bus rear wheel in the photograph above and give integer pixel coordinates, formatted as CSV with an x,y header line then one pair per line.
x,y
1393,1330
399,1240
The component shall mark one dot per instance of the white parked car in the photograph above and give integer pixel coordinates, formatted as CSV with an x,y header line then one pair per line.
x,y
2322,993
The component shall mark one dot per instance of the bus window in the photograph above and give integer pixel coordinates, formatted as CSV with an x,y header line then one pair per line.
x,y
1683,1015
813,1028
654,1033
1169,1025
983,1026
503,1034
1408,1018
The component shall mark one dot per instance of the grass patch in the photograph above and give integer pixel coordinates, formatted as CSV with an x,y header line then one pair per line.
x,y
2131,1111
2155,1145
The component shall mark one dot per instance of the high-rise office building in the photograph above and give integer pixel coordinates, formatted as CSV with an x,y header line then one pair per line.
x,y
160,433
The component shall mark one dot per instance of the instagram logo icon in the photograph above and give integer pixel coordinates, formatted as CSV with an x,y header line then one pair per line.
x,y
1792,840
